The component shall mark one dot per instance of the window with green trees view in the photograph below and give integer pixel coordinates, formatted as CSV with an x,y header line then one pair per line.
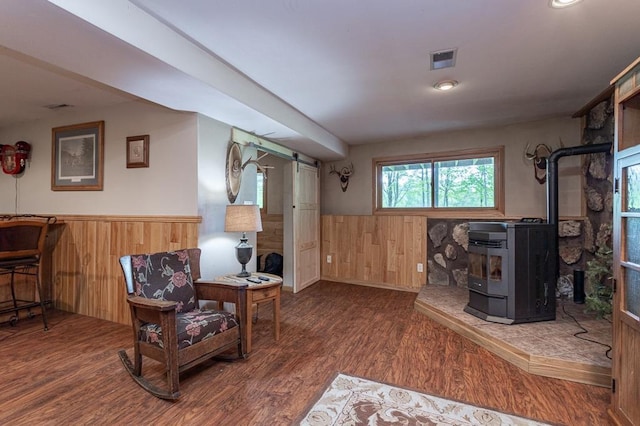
x,y
455,180
260,189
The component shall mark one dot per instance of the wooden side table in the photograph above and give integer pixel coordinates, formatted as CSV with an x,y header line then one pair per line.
x,y
256,293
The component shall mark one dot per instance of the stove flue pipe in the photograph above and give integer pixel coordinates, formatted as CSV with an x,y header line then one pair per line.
x,y
552,181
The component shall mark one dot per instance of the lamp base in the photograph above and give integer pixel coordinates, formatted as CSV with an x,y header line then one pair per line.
x,y
244,252
243,273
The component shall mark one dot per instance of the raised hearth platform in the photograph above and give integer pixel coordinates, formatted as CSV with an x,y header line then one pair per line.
x,y
545,348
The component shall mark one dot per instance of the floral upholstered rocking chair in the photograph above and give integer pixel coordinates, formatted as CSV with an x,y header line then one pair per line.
x,y
168,326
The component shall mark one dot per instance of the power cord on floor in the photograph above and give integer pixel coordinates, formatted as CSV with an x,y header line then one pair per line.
x,y
585,331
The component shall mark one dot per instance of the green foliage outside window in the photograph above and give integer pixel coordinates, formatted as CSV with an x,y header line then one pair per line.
x,y
406,185
260,189
633,186
459,183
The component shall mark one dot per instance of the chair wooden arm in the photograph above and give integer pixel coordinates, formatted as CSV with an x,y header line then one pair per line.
x,y
211,290
152,304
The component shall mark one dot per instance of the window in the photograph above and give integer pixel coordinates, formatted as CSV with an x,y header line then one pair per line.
x,y
468,180
261,194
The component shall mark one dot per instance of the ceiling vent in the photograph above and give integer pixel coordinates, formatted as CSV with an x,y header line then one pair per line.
x,y
443,59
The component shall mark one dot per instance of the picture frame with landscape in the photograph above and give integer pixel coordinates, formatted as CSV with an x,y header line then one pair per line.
x,y
77,157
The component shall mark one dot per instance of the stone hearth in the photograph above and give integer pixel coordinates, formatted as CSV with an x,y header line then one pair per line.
x,y
546,348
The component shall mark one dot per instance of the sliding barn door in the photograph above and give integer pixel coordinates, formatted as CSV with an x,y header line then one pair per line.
x,y
306,226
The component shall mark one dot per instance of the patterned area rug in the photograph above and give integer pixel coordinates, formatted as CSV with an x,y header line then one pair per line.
x,y
354,401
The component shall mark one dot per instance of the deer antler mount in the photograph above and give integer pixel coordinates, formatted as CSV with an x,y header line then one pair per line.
x,y
344,174
539,157
262,168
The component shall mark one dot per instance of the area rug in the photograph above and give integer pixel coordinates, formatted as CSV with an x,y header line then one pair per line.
x,y
355,401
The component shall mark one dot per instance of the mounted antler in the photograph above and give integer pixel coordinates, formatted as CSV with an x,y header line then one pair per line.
x,y
539,157
259,166
344,174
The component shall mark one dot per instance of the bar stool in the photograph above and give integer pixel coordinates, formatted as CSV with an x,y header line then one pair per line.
x,y
21,247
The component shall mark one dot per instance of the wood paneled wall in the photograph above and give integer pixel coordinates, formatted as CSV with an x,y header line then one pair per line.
x,y
86,274
381,251
270,240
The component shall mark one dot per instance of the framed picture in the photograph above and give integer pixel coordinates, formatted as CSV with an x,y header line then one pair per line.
x,y
77,157
137,151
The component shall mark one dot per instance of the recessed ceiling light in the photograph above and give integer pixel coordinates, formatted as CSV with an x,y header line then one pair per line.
x,y
445,85
559,4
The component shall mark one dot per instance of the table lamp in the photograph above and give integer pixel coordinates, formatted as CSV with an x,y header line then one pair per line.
x,y
243,218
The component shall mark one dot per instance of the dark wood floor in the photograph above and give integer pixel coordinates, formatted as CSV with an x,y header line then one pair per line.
x,y
72,375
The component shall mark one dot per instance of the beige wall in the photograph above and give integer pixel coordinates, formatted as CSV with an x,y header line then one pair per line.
x,y
168,186
218,247
524,196
185,177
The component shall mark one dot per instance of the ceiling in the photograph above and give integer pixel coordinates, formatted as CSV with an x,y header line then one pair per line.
x,y
315,75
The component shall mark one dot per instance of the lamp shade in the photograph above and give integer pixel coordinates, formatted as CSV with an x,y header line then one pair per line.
x,y
242,218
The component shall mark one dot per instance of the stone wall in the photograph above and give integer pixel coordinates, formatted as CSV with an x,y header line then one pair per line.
x,y
582,242
448,242
447,247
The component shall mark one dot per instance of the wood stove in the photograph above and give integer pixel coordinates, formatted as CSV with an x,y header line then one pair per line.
x,y
511,275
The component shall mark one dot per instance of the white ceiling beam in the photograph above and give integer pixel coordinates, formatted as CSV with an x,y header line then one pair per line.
x,y
136,27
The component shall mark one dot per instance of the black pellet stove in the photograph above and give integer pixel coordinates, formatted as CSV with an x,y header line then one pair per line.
x,y
512,267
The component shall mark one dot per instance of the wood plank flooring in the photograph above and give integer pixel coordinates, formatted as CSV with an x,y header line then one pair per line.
x,y
71,374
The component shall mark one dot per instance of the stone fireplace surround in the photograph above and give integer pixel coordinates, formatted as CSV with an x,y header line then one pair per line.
x,y
579,238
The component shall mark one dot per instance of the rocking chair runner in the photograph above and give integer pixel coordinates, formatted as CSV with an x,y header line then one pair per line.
x,y
167,324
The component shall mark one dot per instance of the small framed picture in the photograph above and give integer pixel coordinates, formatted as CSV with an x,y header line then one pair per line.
x,y
137,151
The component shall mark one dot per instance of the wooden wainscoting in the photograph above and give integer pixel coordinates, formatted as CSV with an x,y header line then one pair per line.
x,y
270,240
381,251
87,278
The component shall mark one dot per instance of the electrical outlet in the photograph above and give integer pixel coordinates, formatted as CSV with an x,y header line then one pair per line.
x,y
328,258
420,267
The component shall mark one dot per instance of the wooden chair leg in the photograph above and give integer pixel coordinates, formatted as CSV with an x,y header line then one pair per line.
x,y
137,360
170,343
137,356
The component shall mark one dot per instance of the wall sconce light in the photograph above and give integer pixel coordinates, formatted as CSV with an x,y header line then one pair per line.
x,y
445,85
